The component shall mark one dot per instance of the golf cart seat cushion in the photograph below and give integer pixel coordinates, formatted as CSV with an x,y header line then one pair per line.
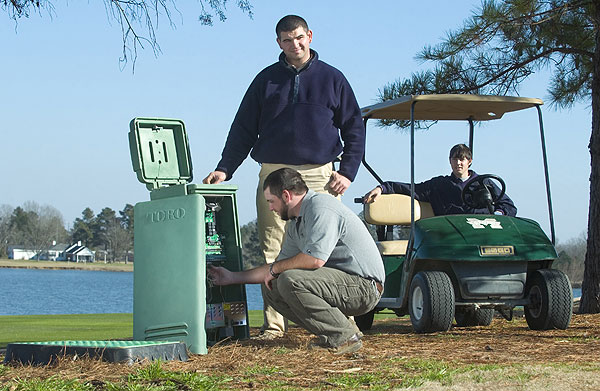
x,y
394,209
392,247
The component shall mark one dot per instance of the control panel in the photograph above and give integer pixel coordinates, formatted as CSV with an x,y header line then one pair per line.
x,y
223,313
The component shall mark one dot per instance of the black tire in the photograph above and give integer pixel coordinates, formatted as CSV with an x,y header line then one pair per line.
x,y
550,300
431,302
474,317
365,321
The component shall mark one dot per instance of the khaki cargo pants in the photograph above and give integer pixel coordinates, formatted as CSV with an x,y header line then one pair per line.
x,y
322,300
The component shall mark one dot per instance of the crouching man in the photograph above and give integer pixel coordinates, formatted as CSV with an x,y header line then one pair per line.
x,y
328,270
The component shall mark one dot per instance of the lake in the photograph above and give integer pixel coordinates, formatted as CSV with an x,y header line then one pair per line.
x,y
53,292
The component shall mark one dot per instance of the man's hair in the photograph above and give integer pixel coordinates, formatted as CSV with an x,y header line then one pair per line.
x,y
461,151
285,179
290,23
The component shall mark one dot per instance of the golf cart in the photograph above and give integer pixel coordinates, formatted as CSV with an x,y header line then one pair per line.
x,y
464,267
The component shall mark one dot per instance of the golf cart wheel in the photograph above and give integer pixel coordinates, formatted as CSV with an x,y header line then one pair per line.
x,y
474,317
550,300
365,321
431,302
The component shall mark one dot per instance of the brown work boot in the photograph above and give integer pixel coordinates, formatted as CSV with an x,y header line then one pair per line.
x,y
358,332
351,345
269,335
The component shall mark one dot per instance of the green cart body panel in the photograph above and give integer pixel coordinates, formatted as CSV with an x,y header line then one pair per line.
x,y
177,234
487,257
481,238
393,275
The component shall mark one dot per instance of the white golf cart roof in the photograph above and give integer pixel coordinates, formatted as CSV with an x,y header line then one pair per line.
x,y
449,107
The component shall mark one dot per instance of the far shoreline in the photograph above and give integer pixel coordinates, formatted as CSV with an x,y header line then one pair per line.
x,y
95,266
64,265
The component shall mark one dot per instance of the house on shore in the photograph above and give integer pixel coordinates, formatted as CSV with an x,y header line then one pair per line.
x,y
20,252
56,252
79,253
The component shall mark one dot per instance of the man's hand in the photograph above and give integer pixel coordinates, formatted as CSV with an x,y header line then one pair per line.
x,y
268,279
338,183
219,275
370,196
214,177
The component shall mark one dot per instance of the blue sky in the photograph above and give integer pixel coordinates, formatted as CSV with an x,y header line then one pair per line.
x,y
66,104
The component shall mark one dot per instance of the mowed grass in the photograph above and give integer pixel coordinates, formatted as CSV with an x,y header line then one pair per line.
x,y
32,328
83,327
96,327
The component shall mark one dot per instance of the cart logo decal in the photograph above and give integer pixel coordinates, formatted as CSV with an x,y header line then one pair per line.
x,y
495,251
481,224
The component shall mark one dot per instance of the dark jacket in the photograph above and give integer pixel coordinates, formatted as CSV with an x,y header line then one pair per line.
x,y
297,117
444,195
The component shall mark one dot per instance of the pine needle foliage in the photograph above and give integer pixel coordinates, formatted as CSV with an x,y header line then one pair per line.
x,y
504,42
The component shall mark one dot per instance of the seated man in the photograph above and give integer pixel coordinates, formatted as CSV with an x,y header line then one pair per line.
x,y
444,192
328,270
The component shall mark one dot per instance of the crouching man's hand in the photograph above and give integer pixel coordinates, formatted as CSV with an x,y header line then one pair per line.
x,y
270,275
220,276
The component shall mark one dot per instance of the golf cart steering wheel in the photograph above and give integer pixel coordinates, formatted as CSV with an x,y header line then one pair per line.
x,y
477,195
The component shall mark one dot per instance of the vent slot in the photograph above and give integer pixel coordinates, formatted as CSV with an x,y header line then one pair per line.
x,y
165,151
151,151
165,331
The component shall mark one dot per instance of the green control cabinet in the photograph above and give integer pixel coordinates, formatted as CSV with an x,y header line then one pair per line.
x,y
181,231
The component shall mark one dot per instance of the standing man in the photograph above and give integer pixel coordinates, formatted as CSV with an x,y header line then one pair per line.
x,y
301,113
329,267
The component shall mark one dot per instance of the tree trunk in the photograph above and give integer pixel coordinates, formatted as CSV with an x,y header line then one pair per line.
x,y
590,289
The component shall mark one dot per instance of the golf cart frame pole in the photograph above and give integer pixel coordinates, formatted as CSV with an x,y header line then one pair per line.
x,y
412,169
547,176
471,131
364,159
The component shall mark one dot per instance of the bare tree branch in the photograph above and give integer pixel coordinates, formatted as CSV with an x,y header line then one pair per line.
x,y
138,19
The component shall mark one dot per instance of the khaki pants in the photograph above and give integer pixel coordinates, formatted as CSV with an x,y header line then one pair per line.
x,y
322,300
271,227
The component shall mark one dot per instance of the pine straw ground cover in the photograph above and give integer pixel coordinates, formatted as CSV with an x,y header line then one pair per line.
x,y
505,355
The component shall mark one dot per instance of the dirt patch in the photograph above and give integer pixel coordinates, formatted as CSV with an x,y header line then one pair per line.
x,y
390,349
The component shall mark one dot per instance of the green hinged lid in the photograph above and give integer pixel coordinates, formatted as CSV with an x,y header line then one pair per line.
x,y
160,152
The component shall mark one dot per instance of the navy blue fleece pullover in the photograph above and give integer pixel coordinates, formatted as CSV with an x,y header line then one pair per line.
x,y
297,117
444,195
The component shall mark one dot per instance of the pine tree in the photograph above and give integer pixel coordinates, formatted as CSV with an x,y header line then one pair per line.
x,y
83,228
